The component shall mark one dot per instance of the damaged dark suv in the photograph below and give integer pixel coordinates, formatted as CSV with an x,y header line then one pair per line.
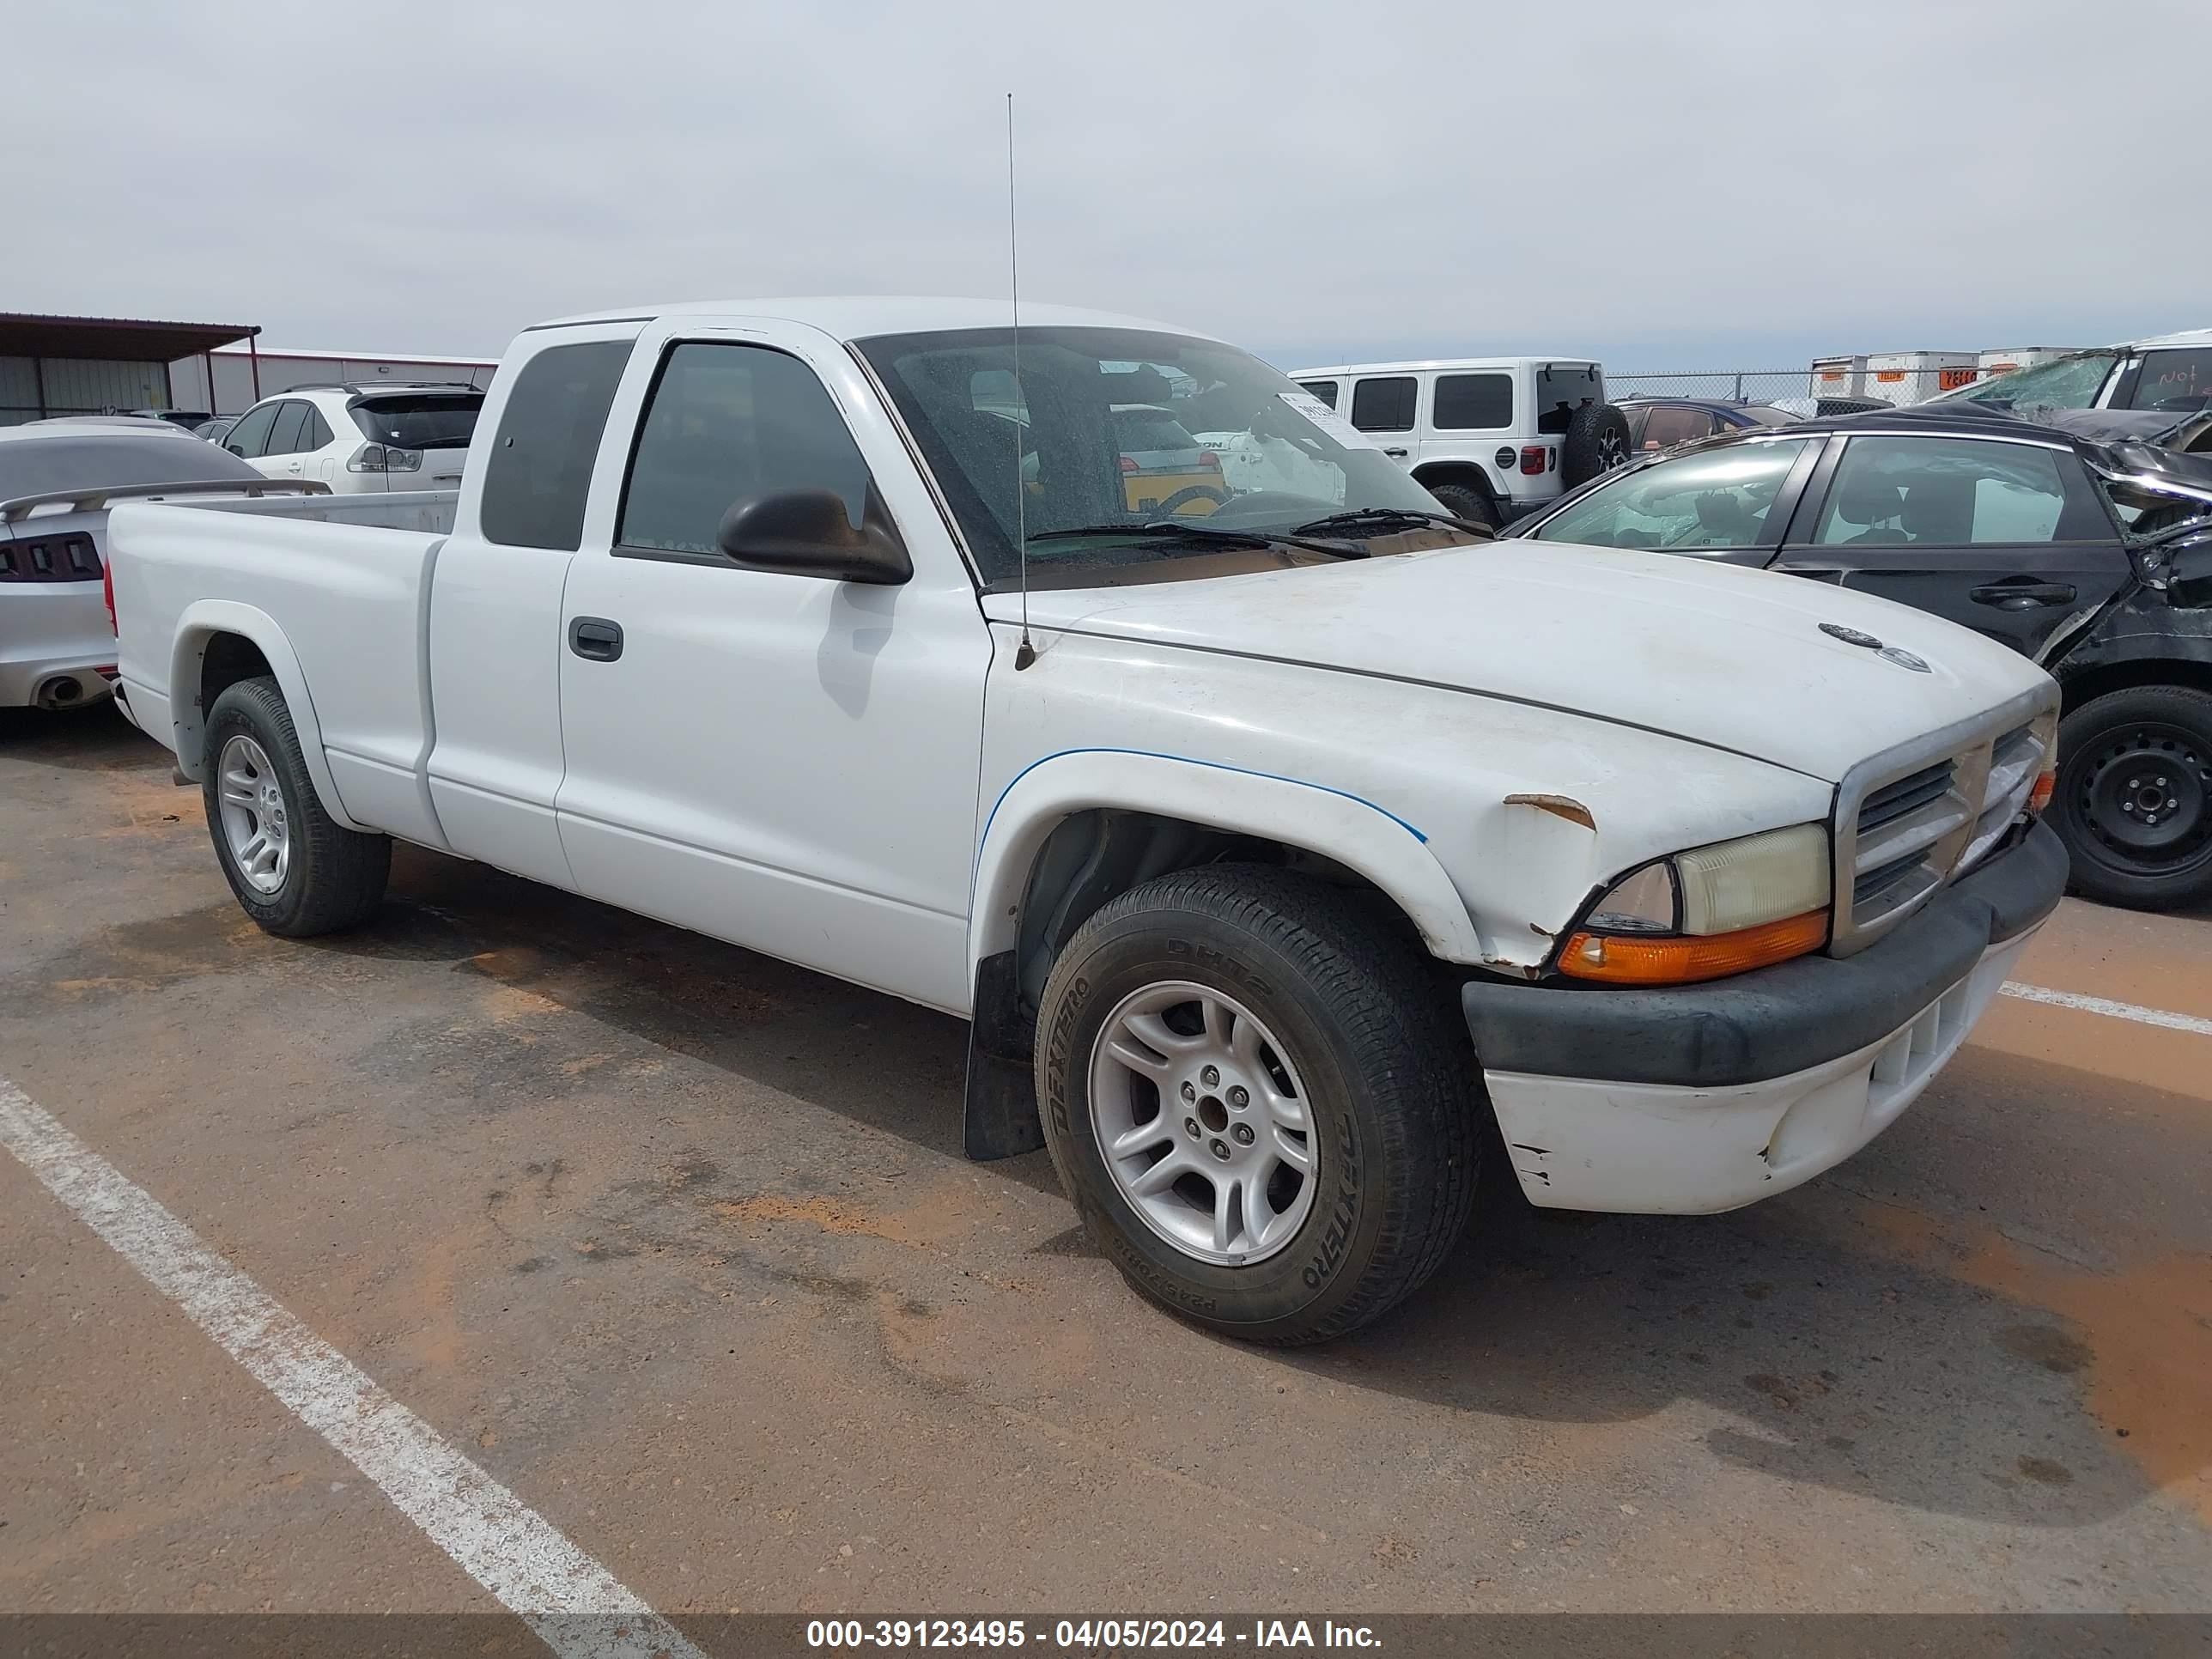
x,y
2093,557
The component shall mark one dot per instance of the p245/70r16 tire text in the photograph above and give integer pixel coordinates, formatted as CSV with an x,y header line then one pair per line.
x,y
294,869
1252,1093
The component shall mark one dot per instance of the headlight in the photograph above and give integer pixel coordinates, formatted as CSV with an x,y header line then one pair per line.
x,y
1712,911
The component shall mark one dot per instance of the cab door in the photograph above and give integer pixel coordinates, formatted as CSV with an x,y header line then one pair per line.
x,y
786,762
2008,539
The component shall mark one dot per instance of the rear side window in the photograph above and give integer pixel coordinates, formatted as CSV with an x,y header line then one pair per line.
x,y
1324,389
540,471
291,426
1473,403
727,423
1954,492
1385,403
318,432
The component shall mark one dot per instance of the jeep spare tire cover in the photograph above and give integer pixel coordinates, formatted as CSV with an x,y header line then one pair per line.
x,y
1597,441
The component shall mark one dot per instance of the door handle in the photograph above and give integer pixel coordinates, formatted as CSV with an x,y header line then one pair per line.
x,y
1399,453
2023,596
595,638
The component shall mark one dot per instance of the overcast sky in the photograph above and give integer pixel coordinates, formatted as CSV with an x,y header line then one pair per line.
x,y
1669,184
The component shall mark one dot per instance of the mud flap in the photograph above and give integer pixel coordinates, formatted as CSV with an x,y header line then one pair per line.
x,y
1001,1115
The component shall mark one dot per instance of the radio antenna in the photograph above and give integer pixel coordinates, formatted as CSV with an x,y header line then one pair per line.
x,y
1025,654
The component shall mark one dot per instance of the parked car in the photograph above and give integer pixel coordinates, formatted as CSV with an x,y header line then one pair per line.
x,y
188,419
2053,544
2169,374
1491,438
360,438
1292,883
1657,423
213,431
57,479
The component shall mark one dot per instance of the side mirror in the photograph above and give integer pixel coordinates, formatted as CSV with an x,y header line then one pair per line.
x,y
807,533
2189,574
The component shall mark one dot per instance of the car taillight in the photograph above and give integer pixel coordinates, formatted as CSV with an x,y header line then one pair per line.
x,y
1209,460
384,458
1531,459
107,596
1128,464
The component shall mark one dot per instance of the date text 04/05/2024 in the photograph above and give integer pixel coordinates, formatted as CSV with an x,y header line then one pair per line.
x,y
1085,1634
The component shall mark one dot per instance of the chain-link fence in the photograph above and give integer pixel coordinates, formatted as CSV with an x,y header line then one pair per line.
x,y
1801,391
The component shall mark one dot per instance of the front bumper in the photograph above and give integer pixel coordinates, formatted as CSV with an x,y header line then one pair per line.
x,y
1715,1095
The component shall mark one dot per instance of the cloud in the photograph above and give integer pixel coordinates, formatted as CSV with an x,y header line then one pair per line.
x,y
1695,178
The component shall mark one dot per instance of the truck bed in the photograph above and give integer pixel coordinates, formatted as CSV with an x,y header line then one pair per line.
x,y
339,582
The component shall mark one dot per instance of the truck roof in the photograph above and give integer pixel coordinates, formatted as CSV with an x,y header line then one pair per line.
x,y
1412,365
858,316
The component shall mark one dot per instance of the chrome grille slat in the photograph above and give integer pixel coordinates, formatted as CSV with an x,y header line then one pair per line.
x,y
1911,819
1921,828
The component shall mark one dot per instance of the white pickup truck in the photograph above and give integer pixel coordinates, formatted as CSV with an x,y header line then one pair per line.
x,y
1300,854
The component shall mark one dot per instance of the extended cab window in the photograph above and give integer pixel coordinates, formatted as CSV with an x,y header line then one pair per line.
x,y
1473,403
1324,389
539,470
1954,492
725,422
1384,404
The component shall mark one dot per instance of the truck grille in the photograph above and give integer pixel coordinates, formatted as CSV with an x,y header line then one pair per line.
x,y
1923,814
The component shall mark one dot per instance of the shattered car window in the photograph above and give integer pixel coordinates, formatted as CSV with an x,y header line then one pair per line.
x,y
2070,382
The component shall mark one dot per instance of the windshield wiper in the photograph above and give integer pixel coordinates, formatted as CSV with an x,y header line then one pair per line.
x,y
1378,517
1199,533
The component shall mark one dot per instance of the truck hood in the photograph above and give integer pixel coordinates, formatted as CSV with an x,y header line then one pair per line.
x,y
1730,658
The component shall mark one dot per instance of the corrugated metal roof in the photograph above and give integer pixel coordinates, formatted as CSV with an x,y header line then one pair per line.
x,y
140,339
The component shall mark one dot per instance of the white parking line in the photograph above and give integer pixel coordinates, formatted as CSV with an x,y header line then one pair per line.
x,y
2141,1016
576,1607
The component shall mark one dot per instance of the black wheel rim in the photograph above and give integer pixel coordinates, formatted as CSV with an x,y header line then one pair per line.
x,y
1611,451
2137,797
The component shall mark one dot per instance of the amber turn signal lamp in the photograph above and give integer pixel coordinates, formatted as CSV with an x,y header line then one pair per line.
x,y
1629,960
2046,784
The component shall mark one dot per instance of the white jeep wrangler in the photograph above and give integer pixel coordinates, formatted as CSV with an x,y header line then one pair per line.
x,y
1491,438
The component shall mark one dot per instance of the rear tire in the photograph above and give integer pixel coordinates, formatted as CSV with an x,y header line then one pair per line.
x,y
307,874
2134,797
1597,441
1466,502
1326,1019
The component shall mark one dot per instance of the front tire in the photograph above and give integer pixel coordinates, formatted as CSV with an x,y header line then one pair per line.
x,y
1253,1095
2134,797
294,868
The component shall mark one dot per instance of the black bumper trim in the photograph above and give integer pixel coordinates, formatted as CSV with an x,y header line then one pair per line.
x,y
1777,1020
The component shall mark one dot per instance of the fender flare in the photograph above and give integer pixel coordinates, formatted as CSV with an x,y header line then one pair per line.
x,y
1317,818
201,621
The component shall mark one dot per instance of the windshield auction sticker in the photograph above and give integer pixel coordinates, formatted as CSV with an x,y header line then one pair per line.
x,y
1328,420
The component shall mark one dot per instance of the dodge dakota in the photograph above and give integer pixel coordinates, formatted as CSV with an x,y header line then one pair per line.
x,y
1293,856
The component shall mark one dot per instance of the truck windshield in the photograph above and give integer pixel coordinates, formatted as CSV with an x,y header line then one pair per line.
x,y
1124,427
417,420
